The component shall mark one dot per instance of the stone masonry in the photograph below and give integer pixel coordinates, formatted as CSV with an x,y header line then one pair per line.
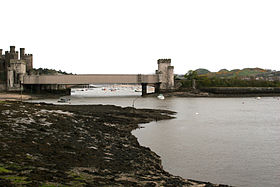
x,y
165,70
13,67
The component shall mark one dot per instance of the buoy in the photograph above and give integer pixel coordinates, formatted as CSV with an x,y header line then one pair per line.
x,y
160,96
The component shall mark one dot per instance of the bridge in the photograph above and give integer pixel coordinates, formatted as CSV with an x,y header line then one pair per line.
x,y
163,79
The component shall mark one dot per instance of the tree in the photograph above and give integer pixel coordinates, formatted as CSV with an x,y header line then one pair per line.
x,y
191,75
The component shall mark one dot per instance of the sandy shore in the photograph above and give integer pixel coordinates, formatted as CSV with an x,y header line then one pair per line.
x,y
14,96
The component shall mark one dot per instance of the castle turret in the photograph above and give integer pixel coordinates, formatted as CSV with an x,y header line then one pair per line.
x,y
22,53
13,54
12,49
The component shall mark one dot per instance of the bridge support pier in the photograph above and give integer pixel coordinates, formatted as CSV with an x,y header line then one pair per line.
x,y
47,88
144,89
157,88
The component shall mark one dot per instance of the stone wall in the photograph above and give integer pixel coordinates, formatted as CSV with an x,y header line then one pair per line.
x,y
3,87
166,71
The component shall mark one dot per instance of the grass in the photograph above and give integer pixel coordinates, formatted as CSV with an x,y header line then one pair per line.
x,y
50,184
4,170
16,179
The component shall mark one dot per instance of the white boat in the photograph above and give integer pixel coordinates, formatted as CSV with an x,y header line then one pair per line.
x,y
160,96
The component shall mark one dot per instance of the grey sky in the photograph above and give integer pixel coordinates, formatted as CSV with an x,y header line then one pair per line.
x,y
128,36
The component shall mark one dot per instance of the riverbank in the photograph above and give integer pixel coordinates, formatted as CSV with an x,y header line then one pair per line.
x,y
91,145
224,92
17,96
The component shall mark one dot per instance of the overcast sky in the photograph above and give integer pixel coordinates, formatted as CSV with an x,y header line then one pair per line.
x,y
128,36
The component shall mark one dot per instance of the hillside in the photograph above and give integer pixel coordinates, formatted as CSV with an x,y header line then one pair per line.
x,y
237,73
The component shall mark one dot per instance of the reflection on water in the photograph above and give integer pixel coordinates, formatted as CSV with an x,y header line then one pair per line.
x,y
223,140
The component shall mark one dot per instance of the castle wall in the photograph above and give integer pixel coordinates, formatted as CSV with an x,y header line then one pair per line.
x,y
3,87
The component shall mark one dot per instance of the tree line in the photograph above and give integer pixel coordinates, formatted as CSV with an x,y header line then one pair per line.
x,y
205,81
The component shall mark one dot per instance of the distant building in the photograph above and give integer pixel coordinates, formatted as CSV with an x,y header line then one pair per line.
x,y
13,67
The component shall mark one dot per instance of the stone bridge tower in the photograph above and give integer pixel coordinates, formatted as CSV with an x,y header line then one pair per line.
x,y
166,74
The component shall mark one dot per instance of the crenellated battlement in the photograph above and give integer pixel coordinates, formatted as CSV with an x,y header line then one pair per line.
x,y
167,60
14,66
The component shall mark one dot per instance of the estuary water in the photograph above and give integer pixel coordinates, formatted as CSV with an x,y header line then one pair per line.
x,y
232,141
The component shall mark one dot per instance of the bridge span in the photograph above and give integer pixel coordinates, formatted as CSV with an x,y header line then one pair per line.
x,y
92,79
162,79
62,82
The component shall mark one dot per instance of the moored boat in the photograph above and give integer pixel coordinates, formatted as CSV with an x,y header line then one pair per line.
x,y
63,100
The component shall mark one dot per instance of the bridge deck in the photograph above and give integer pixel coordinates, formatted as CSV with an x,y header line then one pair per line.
x,y
92,79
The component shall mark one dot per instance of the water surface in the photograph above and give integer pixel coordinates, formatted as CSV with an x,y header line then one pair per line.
x,y
222,140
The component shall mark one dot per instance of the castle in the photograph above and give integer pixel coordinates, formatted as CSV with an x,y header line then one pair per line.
x,y
13,67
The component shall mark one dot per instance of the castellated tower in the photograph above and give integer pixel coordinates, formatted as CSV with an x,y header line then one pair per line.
x,y
166,72
28,58
12,69
13,53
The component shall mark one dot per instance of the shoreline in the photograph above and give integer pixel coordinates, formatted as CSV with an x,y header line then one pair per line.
x,y
79,146
224,93
17,96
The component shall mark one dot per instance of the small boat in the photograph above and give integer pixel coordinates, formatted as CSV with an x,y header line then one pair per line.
x,y
63,100
113,89
160,96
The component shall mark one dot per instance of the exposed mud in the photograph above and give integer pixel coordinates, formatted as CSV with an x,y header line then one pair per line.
x,y
50,145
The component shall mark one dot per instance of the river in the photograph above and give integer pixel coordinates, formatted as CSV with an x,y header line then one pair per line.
x,y
232,141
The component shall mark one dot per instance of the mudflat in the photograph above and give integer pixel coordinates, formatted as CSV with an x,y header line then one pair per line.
x,y
14,96
66,145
